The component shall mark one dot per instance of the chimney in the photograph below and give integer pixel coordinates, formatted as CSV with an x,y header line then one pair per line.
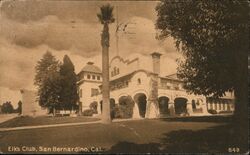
x,y
156,62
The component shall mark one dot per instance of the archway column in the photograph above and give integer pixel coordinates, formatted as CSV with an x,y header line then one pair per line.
x,y
99,108
171,108
204,106
136,113
209,105
151,110
189,107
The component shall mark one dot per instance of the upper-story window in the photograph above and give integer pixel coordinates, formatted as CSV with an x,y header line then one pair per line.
x,y
139,81
94,91
115,71
126,83
88,76
93,77
98,77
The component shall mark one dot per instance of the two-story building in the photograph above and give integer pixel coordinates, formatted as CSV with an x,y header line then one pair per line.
x,y
154,95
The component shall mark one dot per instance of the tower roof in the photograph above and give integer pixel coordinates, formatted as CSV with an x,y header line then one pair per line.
x,y
90,67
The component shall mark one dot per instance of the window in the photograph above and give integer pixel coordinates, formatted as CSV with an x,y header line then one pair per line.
x,y
126,83
193,104
115,71
93,77
88,76
94,92
219,105
98,78
139,81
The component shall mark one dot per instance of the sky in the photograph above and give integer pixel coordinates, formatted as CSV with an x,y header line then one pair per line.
x,y
29,28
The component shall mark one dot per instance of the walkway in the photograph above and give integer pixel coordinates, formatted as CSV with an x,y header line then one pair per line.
x,y
46,126
58,125
6,117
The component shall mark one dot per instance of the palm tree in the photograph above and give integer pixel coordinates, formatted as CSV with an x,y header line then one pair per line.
x,y
106,18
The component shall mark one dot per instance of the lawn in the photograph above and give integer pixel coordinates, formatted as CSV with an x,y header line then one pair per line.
x,y
141,136
44,120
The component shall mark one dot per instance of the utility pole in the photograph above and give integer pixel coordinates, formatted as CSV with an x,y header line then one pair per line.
x,y
116,33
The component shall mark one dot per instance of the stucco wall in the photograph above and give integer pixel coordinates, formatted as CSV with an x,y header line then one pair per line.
x,y
30,106
86,97
125,66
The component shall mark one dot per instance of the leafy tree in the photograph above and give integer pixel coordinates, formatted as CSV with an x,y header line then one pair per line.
x,y
106,18
47,79
213,36
214,39
68,95
7,108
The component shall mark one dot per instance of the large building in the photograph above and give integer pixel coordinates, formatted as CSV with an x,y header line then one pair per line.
x,y
154,95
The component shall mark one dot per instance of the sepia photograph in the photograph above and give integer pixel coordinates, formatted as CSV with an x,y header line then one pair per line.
x,y
124,76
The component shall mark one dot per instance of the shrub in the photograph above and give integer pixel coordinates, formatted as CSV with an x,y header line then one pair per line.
x,y
126,105
88,112
211,111
117,112
93,106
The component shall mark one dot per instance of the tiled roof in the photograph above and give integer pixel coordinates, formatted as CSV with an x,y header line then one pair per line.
x,y
90,67
173,76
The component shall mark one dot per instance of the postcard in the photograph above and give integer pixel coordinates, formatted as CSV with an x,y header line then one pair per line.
x,y
132,76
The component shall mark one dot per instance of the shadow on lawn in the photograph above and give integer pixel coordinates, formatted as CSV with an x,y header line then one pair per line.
x,y
218,118
212,140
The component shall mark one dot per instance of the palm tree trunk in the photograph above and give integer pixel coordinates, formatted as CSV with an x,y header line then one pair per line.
x,y
105,74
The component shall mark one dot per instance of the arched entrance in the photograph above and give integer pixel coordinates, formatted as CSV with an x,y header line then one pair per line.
x,y
163,105
180,105
126,105
141,100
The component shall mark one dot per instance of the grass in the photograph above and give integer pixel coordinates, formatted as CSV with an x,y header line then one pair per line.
x,y
43,120
141,136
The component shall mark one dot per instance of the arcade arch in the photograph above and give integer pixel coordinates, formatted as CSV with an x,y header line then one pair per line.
x,y
180,104
141,100
164,105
